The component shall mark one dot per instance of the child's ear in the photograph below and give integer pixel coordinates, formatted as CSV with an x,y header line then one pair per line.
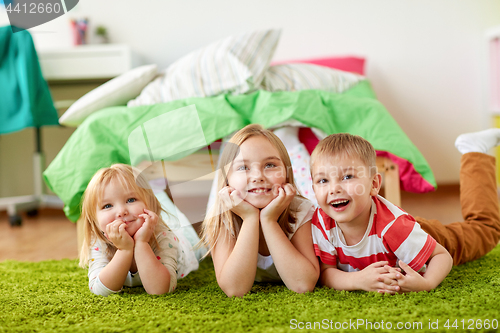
x,y
376,184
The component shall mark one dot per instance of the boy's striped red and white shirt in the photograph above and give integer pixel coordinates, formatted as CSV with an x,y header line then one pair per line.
x,y
391,234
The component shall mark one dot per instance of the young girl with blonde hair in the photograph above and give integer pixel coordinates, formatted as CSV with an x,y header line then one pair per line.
x,y
259,228
126,242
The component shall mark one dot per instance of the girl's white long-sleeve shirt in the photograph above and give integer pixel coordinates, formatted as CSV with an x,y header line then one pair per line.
x,y
166,253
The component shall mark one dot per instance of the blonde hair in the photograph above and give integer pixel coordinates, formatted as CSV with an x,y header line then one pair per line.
x,y
220,219
124,174
345,145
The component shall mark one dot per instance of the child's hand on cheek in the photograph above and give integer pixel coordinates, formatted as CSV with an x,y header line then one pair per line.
x,y
116,232
231,200
284,196
146,231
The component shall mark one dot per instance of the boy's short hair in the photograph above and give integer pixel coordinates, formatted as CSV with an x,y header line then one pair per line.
x,y
345,145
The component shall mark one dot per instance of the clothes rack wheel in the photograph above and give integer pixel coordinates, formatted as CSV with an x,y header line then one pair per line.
x,y
15,220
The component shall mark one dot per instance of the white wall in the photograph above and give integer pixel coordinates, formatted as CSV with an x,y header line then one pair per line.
x,y
425,58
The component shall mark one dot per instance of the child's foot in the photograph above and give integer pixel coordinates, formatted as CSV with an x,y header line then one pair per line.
x,y
478,142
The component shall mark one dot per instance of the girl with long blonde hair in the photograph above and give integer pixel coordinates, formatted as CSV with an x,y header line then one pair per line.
x,y
259,228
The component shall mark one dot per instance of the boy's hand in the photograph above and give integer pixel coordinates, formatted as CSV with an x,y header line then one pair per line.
x,y
118,235
376,277
284,196
146,231
412,281
231,200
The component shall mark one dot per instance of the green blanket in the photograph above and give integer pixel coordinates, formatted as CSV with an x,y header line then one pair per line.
x,y
160,131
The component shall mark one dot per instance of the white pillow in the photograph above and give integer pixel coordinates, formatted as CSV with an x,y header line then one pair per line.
x,y
294,77
235,64
117,91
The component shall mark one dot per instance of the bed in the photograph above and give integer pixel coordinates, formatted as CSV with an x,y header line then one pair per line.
x,y
202,98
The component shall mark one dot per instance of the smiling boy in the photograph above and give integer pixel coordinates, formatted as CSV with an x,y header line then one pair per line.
x,y
361,238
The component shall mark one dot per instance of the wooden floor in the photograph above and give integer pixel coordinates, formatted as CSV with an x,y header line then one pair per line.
x,y
51,236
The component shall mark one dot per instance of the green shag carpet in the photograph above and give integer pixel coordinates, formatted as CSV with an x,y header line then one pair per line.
x,y
53,296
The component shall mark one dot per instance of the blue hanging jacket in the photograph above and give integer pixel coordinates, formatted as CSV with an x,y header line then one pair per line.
x,y
25,99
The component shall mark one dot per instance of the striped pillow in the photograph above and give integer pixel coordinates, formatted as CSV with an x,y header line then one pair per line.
x,y
293,77
235,64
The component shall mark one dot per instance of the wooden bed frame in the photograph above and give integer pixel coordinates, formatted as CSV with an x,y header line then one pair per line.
x,y
200,166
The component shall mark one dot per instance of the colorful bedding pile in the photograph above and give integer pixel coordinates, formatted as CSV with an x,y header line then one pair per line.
x,y
103,138
213,92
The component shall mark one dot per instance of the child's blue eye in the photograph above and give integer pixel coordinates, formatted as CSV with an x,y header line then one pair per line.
x,y
347,177
106,206
270,165
241,168
322,181
131,200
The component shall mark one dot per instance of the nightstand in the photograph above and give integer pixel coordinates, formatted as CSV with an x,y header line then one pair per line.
x,y
73,72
